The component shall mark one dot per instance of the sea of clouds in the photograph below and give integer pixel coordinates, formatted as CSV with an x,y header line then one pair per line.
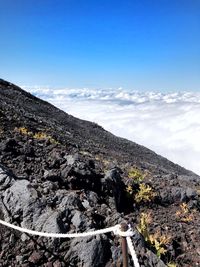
x,y
167,123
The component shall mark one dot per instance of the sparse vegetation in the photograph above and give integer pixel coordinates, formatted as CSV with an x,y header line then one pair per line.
x,y
136,175
171,264
140,191
157,240
23,131
184,214
37,135
144,194
145,220
43,136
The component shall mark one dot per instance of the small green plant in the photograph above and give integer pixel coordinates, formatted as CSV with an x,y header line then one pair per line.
x,y
37,135
136,175
171,264
140,191
144,194
145,220
23,131
44,136
157,240
183,214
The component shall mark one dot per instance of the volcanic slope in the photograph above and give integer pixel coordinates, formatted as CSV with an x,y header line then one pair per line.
x,y
62,174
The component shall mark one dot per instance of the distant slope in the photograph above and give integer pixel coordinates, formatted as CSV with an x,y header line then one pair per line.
x,y
31,111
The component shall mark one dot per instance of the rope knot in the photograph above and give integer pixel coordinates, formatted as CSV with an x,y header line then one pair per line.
x,y
120,232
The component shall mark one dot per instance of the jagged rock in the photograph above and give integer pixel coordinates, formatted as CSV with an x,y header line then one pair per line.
x,y
50,222
153,260
69,200
9,145
112,185
6,178
28,150
21,201
116,255
178,194
79,220
53,176
91,198
71,159
18,197
57,264
88,252
48,264
191,193
81,176
35,257
19,259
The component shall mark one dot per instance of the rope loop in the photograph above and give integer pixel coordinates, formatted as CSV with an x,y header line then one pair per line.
x,y
118,231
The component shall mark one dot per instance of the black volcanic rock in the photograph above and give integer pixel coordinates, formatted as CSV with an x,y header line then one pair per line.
x,y
62,174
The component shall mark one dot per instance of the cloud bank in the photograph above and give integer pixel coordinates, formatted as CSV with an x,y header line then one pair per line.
x,y
168,123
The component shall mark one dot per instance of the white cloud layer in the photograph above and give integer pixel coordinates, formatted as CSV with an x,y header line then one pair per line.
x,y
169,124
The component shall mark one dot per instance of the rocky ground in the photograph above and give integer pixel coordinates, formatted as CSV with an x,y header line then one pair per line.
x,y
62,174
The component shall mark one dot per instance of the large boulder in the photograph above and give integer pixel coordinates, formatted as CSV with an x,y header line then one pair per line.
x,y
113,188
21,202
89,251
18,198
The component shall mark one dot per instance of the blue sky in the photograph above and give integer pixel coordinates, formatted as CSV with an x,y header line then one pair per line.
x,y
140,45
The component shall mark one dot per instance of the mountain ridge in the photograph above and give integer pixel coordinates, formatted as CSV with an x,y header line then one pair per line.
x,y
62,174
71,121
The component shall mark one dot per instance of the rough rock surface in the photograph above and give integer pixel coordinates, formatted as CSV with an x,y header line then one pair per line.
x,y
62,174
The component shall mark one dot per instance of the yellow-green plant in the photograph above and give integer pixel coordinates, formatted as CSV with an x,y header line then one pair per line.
x,y
145,220
140,191
136,175
171,264
40,135
23,131
37,135
157,240
43,136
144,194
198,191
184,214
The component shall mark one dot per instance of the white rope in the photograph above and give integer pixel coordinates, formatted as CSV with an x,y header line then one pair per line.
x,y
58,235
115,229
119,232
132,251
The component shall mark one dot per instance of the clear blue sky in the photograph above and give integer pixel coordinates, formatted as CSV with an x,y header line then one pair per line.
x,y
134,44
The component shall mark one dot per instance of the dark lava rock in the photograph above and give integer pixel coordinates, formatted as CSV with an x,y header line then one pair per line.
x,y
96,254
6,178
60,174
35,257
